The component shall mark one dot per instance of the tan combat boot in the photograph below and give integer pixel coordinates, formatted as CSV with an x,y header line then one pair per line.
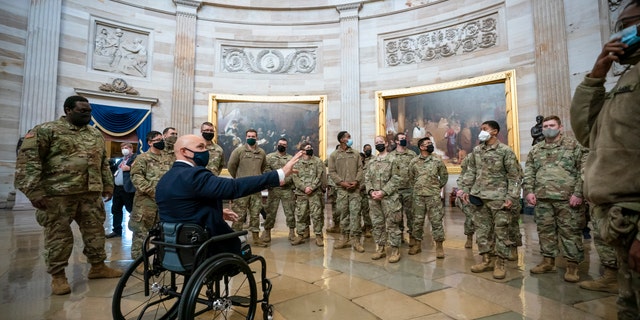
x,y
367,232
256,240
307,233
416,248
342,243
292,234
334,229
439,250
513,253
356,243
297,240
266,236
499,270
412,241
487,264
59,284
394,256
548,264
100,270
469,243
319,240
607,283
571,274
380,253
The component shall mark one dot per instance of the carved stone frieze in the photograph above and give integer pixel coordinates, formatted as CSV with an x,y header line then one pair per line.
x,y
120,50
459,39
269,60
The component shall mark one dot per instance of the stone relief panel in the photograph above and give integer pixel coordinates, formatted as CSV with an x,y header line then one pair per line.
x,y
268,60
442,43
120,50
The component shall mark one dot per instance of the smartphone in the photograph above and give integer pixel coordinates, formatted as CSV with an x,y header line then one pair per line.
x,y
631,37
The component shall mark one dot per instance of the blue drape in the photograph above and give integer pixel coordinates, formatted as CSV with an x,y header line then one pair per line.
x,y
119,121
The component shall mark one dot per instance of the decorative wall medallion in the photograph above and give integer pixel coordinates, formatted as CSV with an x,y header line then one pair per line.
x,y
441,43
270,61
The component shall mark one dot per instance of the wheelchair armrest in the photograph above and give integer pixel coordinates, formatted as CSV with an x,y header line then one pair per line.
x,y
226,236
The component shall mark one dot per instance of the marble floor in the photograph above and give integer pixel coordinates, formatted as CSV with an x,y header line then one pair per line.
x,y
322,283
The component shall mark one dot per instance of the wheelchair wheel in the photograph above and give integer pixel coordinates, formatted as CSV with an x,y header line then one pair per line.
x,y
155,298
221,288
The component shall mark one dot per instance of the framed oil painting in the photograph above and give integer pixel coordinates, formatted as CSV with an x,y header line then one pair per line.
x,y
450,114
296,118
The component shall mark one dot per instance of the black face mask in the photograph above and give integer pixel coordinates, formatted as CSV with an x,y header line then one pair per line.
x,y
367,153
200,158
380,147
208,135
79,119
309,152
159,145
282,148
430,148
403,142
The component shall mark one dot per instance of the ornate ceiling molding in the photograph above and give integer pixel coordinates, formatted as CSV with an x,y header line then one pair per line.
x,y
269,60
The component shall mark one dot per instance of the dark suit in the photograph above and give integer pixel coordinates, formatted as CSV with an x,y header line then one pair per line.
x,y
121,198
194,195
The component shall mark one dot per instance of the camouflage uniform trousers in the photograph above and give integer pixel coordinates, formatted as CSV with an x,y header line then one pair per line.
x,y
557,220
309,207
514,226
288,205
87,210
366,214
143,218
331,197
492,228
248,206
349,206
606,252
628,301
406,202
469,211
386,216
431,206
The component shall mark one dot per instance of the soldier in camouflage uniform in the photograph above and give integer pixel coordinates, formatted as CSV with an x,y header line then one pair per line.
x,y
170,135
308,182
62,167
608,260
345,169
248,160
275,161
467,208
428,175
515,236
367,226
493,177
552,183
216,154
146,171
381,181
331,197
405,190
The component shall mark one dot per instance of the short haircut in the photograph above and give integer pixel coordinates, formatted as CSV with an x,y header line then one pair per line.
x,y
341,135
283,139
422,140
126,144
152,134
556,118
492,124
304,144
398,135
167,130
70,102
366,145
206,123
251,130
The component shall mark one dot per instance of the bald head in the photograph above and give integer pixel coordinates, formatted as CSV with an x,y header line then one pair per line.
x,y
188,144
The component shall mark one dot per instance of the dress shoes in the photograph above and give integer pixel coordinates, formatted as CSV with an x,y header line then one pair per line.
x,y
113,235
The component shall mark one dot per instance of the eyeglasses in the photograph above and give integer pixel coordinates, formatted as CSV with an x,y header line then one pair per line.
x,y
626,22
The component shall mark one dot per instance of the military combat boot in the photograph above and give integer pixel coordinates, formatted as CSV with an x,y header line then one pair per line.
x,y
256,240
307,233
412,241
367,232
607,283
513,253
319,240
59,284
499,270
416,248
334,229
356,243
342,242
394,256
292,234
547,265
571,274
380,253
487,264
297,240
266,236
469,243
439,250
100,270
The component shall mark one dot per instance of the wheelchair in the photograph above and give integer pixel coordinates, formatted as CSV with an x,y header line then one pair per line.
x,y
177,278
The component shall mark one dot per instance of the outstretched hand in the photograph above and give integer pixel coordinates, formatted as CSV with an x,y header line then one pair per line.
x,y
288,168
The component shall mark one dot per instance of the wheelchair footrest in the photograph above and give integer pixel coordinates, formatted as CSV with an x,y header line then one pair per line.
x,y
240,301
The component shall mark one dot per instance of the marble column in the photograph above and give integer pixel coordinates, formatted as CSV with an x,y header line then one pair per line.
x,y
184,66
38,103
350,71
552,61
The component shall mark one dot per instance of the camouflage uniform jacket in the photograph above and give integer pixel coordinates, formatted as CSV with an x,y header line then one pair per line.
x,y
311,173
404,159
276,161
428,175
493,173
345,165
216,158
245,162
59,158
383,173
146,171
552,170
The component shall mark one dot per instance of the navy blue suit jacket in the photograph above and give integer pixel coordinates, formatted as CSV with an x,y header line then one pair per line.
x,y
194,195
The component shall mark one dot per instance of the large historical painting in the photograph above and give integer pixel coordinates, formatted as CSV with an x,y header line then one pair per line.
x,y
296,118
450,114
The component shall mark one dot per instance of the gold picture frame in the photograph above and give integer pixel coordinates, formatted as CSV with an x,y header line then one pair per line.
x,y
296,115
453,110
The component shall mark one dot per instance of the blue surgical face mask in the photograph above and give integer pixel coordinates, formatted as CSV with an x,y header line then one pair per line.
x,y
349,143
200,158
